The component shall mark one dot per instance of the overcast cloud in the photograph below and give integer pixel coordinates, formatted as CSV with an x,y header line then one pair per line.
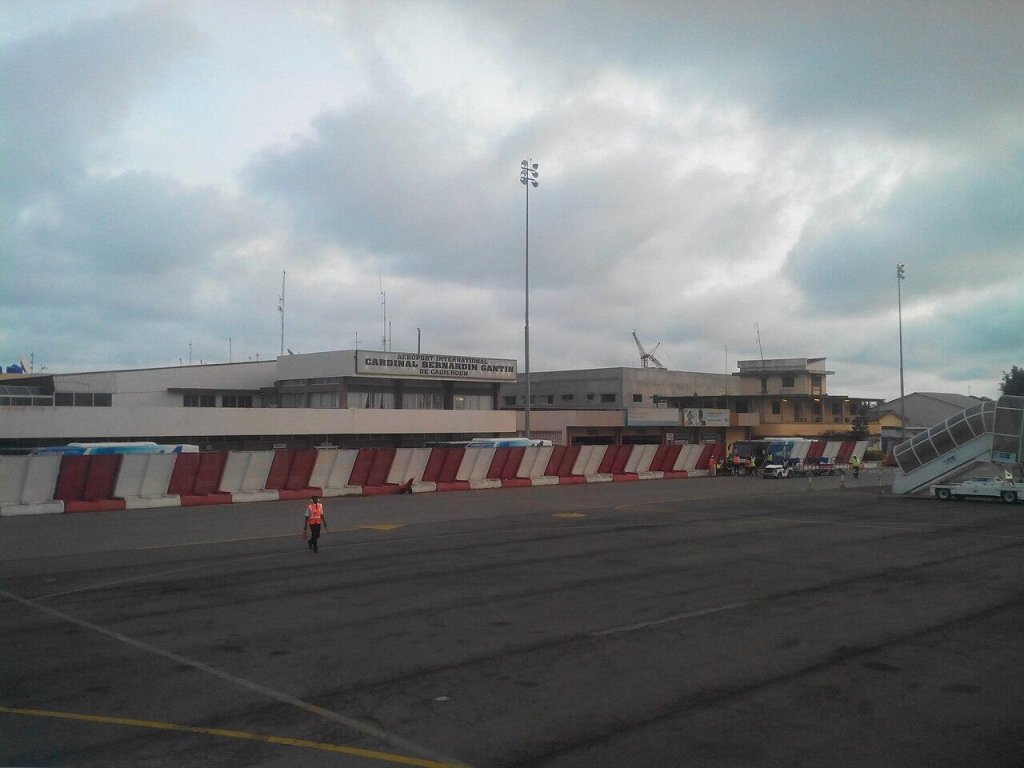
x,y
707,171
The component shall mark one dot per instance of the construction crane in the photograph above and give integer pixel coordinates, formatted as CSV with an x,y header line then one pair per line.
x,y
647,358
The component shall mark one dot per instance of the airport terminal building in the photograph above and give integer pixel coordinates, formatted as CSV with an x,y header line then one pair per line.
x,y
365,398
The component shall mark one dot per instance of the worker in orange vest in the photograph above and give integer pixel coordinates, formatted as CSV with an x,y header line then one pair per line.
x,y
314,519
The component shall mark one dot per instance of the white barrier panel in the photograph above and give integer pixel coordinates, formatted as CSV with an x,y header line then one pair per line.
x,y
832,448
144,479
234,471
33,480
13,470
409,464
687,458
535,464
157,479
258,471
332,470
482,465
535,461
590,456
859,449
130,475
399,467
800,450
470,457
641,458
245,476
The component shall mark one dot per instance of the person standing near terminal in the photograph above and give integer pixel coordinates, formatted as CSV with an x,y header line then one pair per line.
x,y
314,519
855,465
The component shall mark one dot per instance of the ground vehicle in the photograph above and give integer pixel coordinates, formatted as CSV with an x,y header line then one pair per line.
x,y
992,487
777,470
96,449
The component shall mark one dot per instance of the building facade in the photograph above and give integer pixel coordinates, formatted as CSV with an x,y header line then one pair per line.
x,y
355,398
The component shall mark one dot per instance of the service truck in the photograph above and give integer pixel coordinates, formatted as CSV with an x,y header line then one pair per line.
x,y
991,487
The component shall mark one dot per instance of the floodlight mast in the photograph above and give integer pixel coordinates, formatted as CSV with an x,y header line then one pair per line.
x,y
528,178
900,277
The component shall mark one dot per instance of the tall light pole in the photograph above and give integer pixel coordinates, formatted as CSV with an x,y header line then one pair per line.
x,y
900,277
528,178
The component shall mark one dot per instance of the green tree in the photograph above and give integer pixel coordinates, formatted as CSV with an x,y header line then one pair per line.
x,y
1013,382
859,427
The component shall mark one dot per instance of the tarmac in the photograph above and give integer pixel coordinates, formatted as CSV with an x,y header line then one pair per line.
x,y
703,622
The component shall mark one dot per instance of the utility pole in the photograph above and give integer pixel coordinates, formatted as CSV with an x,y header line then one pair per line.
x,y
280,308
900,277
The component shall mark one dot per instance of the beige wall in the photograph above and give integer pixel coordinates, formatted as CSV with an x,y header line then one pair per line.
x,y
43,422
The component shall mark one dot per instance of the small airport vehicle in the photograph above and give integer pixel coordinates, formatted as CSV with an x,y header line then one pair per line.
x,y
991,487
776,471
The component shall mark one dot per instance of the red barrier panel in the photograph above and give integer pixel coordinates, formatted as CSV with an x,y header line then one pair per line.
x,y
378,474
435,463
99,483
449,471
706,454
659,457
814,452
211,467
510,472
668,460
183,477
497,469
86,483
565,476
206,489
361,466
300,470
605,467
376,483
71,479
452,462
845,452
555,460
277,477
622,457
512,463
300,467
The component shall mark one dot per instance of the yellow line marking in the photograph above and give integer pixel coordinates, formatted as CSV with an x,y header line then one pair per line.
x,y
383,526
230,734
569,515
250,685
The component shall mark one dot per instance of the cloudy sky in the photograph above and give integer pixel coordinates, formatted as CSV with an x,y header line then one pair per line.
x,y
709,172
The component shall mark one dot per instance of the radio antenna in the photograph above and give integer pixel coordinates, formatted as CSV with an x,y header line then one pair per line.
x,y
280,308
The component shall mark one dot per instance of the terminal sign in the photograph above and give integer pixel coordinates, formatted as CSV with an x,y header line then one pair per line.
x,y
410,365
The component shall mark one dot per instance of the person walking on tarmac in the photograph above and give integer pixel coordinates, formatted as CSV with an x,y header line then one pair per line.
x,y
314,519
855,465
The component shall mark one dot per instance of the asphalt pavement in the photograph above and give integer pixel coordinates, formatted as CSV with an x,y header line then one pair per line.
x,y
701,622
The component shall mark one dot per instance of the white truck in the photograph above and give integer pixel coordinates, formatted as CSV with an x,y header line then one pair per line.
x,y
992,487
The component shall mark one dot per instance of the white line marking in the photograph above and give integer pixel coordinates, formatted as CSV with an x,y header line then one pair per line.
x,y
348,722
668,619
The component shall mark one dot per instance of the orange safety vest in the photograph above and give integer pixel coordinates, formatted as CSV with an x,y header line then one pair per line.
x,y
315,514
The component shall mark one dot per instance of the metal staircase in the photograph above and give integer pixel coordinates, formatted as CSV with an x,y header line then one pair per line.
x,y
989,433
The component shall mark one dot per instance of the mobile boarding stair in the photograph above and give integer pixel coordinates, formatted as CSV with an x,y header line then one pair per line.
x,y
989,433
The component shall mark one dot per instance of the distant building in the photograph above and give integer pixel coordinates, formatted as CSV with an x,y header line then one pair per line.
x,y
922,409
765,398
354,398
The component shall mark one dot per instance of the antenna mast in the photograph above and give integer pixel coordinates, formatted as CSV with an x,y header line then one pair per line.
x,y
384,315
280,308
